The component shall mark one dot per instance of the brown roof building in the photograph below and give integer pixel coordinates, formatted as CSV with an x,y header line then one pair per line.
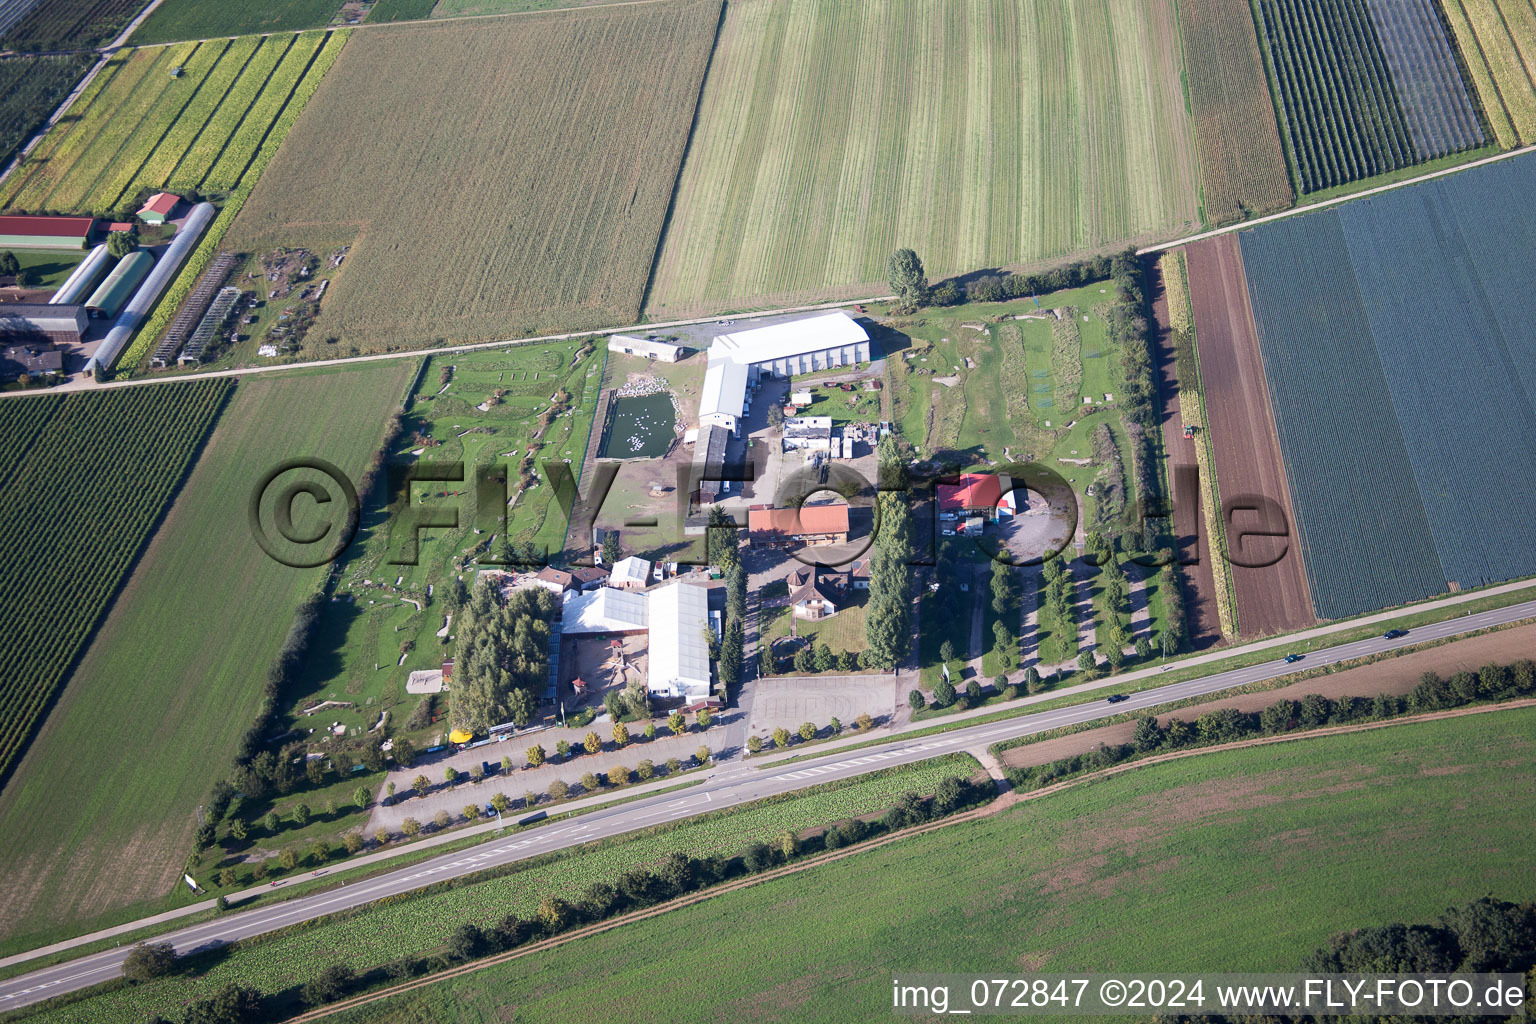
x,y
812,524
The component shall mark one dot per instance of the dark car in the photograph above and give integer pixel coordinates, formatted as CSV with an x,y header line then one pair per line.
x,y
1291,659
1116,698
1393,634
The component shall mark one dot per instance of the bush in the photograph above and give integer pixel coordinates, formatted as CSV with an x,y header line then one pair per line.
x,y
328,986
943,694
149,960
757,857
558,790
807,731
915,700
589,783
645,771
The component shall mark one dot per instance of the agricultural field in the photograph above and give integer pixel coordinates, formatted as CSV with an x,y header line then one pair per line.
x,y
1244,860
1026,132
138,130
70,25
401,10
175,20
67,460
1242,165
547,191
471,8
1497,39
1408,428
31,88
422,924
374,634
172,676
1364,87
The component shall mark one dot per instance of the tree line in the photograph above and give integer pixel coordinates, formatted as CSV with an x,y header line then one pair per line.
x,y
1313,711
501,657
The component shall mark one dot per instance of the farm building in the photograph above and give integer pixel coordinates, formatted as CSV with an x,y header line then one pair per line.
x,y
808,433
588,577
33,322
813,599
20,231
973,493
605,610
38,358
82,280
812,524
159,208
679,657
709,462
113,294
556,581
799,346
630,573
629,345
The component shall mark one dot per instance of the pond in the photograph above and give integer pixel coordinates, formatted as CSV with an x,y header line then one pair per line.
x,y
640,428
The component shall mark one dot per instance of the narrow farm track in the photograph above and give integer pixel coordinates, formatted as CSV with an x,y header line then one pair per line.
x,y
1002,803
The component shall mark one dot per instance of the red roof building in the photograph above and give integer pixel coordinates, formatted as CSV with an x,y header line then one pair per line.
x,y
159,207
22,231
812,523
974,492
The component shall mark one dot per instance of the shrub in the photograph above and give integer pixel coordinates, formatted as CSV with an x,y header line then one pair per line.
x,y
645,771
915,700
411,827
149,960
589,783
864,722
943,694
441,819
558,790
674,766
781,738
807,731
754,744
618,775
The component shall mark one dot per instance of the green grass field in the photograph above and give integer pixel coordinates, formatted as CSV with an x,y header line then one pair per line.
x,y
420,925
1022,132
137,128
1238,861
547,174
99,814
175,20
358,647
48,269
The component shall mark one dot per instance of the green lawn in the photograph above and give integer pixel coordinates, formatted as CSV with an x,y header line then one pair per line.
x,y
48,269
842,632
420,925
1238,861
844,406
173,677
175,20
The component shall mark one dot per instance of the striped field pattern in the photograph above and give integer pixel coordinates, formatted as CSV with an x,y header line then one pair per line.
x,y
138,128
1498,43
980,133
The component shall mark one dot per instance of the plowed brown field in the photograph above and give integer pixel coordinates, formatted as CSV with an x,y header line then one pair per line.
x,y
1248,463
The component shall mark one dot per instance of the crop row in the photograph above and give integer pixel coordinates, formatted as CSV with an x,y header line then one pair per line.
x,y
128,167
1430,92
70,24
165,311
111,141
226,174
231,113
122,451
412,926
198,116
1336,90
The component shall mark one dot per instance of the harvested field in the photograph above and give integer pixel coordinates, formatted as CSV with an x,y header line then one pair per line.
x,y
526,199
1248,461
1026,131
1391,675
1408,427
1191,538
1242,165
1497,39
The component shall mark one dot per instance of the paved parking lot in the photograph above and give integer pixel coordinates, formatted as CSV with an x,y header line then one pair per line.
x,y
790,700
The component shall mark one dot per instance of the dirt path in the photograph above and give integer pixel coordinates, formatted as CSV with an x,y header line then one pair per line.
x,y
1249,464
997,806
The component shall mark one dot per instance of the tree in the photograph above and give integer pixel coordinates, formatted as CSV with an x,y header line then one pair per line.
x,y
301,815
319,852
441,820
704,718
1002,588
471,812
465,942
562,750
352,841
535,755
589,783
203,837
10,266
450,775
781,738
807,731
238,830
1143,648
864,722
947,651
1148,735
592,743
148,960
677,723
649,731
382,835
362,796
1032,679
765,661
835,726
757,857
119,244
329,985
645,770
907,278
421,784
288,859
554,915
943,693
618,775
754,744
558,790
805,661
972,694
1114,653
272,823
1085,661
620,735
611,552
476,773
825,661
411,827
915,700
500,802
233,1004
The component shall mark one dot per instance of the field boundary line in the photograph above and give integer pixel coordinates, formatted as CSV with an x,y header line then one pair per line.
x,y
1336,200
1000,803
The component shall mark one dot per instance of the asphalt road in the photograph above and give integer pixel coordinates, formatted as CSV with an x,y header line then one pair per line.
x,y
732,785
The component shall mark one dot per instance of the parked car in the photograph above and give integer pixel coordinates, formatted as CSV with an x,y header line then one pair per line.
x,y
1293,658
1116,698
1393,634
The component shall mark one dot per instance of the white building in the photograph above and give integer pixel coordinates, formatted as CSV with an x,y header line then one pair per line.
x,y
679,657
646,348
630,573
798,346
604,610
